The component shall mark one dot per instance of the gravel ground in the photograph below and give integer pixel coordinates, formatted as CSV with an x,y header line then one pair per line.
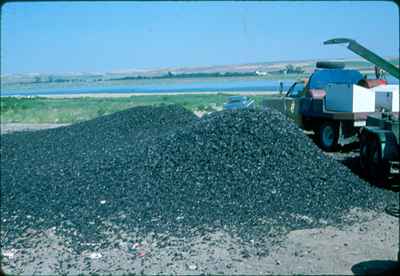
x,y
362,248
165,175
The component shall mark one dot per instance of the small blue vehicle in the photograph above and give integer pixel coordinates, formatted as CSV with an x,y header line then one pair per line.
x,y
239,102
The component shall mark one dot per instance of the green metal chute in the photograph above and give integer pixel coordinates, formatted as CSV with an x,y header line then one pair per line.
x,y
360,50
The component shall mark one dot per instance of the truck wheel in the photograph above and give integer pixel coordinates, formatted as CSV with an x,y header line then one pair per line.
x,y
328,136
379,169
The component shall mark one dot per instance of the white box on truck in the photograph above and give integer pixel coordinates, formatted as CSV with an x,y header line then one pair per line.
x,y
349,98
387,98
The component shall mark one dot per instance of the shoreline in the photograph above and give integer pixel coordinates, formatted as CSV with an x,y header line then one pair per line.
x,y
122,95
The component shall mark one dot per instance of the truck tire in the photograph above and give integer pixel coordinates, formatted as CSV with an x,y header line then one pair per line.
x,y
378,168
328,135
330,64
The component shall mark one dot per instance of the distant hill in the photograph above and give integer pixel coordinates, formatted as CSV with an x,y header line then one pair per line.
x,y
262,69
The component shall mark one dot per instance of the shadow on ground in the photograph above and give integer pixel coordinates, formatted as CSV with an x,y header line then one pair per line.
x,y
376,267
353,163
349,156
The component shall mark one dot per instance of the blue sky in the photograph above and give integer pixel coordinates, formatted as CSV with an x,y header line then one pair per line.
x,y
107,36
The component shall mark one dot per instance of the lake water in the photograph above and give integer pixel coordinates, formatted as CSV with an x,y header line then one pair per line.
x,y
184,86
157,86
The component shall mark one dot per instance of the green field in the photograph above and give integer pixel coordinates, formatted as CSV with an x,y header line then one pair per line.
x,y
52,110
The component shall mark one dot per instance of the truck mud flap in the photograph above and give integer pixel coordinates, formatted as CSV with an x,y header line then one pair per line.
x,y
347,133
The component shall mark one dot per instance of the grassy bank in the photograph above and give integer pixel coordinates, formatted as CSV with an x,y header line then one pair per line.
x,y
52,110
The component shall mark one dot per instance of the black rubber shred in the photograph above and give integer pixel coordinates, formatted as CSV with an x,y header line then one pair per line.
x,y
162,170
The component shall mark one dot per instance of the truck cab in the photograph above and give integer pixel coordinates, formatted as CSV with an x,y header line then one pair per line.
x,y
292,99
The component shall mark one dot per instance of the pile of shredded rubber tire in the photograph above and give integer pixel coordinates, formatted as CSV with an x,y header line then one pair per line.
x,y
161,169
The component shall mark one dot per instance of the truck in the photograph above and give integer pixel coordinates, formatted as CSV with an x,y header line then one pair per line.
x,y
333,102
380,137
